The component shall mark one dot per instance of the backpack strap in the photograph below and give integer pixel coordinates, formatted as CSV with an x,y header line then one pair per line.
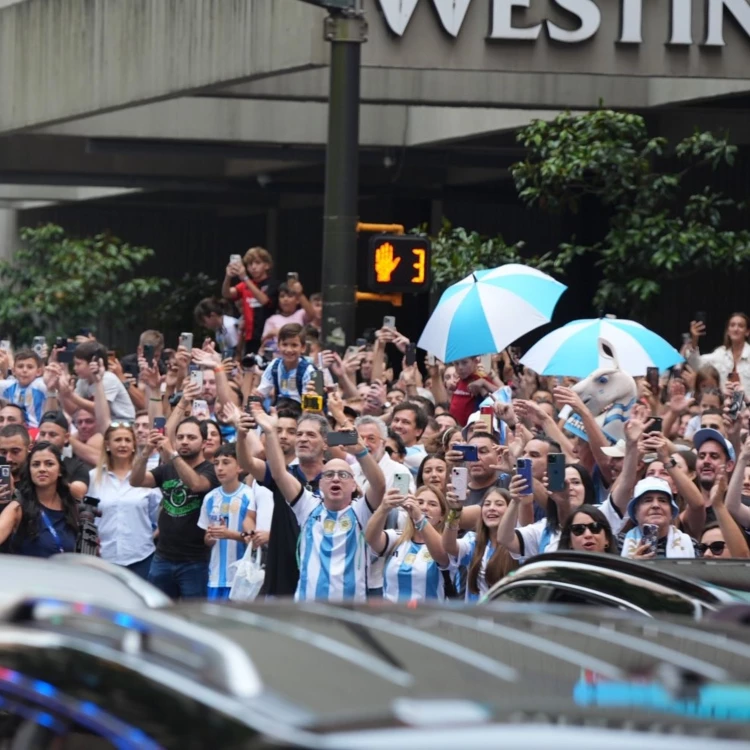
x,y
275,378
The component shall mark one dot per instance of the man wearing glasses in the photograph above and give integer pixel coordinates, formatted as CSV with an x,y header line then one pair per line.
x,y
332,549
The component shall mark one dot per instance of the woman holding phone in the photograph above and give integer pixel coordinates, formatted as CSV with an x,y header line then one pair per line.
x,y
433,472
479,552
126,527
42,519
732,360
414,558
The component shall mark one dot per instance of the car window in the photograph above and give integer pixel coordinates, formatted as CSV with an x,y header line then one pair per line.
x,y
566,596
518,593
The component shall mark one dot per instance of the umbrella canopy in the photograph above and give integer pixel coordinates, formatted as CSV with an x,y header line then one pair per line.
x,y
487,311
573,349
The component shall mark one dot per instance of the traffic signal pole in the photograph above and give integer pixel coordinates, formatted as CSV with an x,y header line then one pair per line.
x,y
346,30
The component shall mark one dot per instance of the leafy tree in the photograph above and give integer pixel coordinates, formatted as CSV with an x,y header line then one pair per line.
x,y
656,232
56,284
456,253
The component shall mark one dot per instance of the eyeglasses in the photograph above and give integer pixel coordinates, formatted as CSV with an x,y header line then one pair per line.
x,y
579,529
333,474
122,423
717,548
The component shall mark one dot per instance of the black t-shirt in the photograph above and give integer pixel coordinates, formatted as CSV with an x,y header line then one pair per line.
x,y
77,470
282,572
180,538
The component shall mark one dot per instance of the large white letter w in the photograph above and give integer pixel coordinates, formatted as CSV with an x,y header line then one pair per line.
x,y
398,13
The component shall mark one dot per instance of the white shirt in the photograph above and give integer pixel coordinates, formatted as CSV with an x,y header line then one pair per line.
x,y
723,360
228,336
262,504
126,527
389,468
332,550
233,508
410,572
119,402
537,540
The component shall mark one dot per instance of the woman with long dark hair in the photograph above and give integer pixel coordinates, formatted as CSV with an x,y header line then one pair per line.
x,y
588,530
544,535
43,519
433,472
479,552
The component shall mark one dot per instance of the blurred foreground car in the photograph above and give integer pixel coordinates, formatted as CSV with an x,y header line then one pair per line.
x,y
311,675
82,578
656,587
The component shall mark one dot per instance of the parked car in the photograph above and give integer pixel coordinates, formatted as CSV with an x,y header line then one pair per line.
x,y
314,675
657,587
83,578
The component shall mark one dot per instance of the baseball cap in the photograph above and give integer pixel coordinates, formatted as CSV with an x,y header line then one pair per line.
x,y
707,433
615,451
650,484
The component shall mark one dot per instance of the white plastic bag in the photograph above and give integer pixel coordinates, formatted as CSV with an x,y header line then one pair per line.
x,y
249,576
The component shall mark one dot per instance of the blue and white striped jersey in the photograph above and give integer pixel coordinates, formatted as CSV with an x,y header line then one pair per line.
x,y
31,398
410,573
332,550
465,553
233,508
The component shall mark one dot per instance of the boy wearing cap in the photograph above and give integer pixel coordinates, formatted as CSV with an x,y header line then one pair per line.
x,y
653,503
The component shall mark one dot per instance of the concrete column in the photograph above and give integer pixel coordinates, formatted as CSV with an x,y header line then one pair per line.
x,y
8,231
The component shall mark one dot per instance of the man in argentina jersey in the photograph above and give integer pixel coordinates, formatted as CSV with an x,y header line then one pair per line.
x,y
332,548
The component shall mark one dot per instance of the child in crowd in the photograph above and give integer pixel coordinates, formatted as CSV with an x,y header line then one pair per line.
x,y
209,313
256,291
223,516
288,375
470,389
25,388
294,307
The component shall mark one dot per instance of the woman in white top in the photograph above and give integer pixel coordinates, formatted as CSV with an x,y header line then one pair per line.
x,y
732,360
415,558
126,527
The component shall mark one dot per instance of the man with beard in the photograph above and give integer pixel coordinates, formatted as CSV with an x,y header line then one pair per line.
x,y
713,450
308,445
180,564
14,448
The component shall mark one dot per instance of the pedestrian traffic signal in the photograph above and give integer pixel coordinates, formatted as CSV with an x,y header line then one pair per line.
x,y
399,263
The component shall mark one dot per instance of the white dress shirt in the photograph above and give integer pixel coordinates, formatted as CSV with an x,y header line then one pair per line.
x,y
126,527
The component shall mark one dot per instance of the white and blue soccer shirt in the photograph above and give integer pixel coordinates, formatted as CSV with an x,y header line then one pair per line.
x,y
233,508
287,379
410,573
465,553
332,550
31,398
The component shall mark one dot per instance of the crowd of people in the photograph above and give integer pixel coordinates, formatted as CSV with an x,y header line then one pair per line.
x,y
357,474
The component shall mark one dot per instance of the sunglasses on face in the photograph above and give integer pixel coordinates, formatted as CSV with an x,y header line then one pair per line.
x,y
122,423
717,548
579,529
333,473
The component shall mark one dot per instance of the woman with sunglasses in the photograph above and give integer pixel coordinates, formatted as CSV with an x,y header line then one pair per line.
x,y
587,530
414,558
43,519
129,514
724,537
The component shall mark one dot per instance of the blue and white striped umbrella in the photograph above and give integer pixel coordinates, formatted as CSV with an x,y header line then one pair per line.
x,y
489,310
574,349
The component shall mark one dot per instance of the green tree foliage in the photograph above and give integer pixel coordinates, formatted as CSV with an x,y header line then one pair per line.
x,y
656,232
56,284
456,253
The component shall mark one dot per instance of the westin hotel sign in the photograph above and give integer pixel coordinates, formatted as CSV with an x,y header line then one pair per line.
x,y
585,19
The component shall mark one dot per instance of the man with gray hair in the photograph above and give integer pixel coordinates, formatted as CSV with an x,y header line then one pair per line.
x,y
373,432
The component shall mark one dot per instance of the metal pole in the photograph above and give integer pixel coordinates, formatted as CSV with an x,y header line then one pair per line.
x,y
346,30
